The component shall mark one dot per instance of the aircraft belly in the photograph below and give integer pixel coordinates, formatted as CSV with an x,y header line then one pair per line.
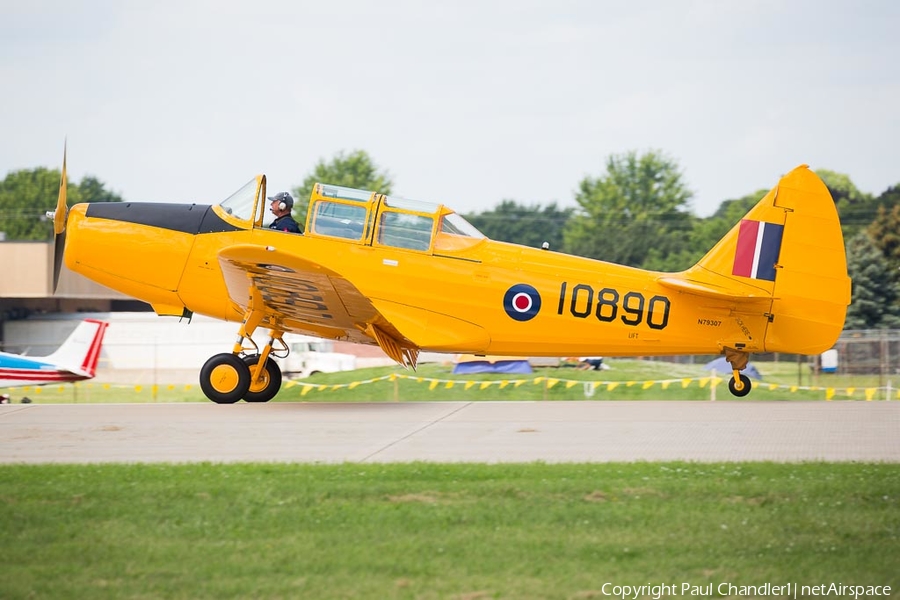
x,y
433,331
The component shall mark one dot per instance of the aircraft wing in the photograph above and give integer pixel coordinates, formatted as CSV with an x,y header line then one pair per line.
x,y
301,296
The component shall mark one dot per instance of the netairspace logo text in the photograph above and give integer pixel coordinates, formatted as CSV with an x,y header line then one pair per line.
x,y
789,590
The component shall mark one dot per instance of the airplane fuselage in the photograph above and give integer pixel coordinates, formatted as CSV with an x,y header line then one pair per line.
x,y
486,298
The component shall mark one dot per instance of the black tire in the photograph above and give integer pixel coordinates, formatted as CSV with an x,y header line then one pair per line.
x,y
745,386
271,381
225,378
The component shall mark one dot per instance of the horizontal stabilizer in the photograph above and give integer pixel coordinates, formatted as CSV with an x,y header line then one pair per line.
x,y
710,290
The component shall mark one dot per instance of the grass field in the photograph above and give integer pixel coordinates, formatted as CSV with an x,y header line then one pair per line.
x,y
461,531
440,531
626,380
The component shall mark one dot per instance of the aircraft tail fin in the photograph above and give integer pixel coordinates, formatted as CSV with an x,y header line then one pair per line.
x,y
788,248
81,350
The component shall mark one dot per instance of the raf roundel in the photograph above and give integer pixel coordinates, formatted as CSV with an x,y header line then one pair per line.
x,y
522,302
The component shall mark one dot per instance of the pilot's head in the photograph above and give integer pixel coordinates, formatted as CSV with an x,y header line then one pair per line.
x,y
281,204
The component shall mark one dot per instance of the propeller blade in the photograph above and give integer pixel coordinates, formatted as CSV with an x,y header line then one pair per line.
x,y
59,224
59,216
59,248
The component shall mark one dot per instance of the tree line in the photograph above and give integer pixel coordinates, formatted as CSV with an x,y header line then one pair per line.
x,y
636,212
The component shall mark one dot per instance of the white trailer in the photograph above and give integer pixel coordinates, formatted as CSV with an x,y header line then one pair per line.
x,y
142,347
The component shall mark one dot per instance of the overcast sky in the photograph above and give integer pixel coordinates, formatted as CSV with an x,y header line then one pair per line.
x,y
465,103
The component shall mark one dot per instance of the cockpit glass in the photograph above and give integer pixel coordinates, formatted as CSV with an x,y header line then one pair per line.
x,y
407,204
240,204
455,224
336,191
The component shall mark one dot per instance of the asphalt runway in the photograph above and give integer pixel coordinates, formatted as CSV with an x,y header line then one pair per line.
x,y
490,432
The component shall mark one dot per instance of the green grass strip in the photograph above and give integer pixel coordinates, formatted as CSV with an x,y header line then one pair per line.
x,y
466,531
627,380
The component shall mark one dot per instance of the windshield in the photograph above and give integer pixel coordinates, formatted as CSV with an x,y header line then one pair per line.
x,y
455,224
240,204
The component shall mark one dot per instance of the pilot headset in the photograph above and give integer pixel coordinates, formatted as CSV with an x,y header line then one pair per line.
x,y
281,203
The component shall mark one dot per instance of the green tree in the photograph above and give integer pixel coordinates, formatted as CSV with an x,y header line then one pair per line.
x,y
885,233
91,189
531,225
353,170
855,208
704,234
709,231
639,205
27,195
890,197
876,290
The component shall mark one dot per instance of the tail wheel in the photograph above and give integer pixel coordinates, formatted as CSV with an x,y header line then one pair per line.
x,y
225,378
267,384
739,389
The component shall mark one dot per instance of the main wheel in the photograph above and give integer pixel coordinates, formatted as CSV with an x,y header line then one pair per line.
x,y
744,386
225,378
268,384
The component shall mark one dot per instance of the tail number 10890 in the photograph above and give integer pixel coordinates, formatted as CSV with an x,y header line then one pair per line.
x,y
607,304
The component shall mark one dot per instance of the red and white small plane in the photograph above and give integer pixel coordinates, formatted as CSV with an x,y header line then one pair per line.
x,y
75,360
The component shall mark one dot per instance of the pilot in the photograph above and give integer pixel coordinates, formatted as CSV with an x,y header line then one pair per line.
x,y
280,206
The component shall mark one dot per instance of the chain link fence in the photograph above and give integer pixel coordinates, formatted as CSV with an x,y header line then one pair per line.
x,y
869,352
859,352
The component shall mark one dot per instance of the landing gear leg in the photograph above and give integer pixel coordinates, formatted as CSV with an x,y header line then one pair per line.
x,y
265,374
739,384
225,378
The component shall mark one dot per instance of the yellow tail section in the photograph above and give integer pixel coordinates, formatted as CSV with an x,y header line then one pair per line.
x,y
812,289
787,254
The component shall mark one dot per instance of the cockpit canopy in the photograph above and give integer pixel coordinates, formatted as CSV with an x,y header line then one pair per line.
x,y
364,217
369,217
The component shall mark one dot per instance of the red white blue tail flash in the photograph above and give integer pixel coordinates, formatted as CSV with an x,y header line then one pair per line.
x,y
758,246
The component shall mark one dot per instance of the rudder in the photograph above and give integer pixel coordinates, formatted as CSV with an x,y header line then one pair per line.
x,y
787,249
812,289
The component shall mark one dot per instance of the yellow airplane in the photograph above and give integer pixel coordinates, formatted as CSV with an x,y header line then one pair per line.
x,y
410,276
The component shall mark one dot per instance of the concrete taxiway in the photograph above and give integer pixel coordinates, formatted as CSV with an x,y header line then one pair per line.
x,y
451,432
